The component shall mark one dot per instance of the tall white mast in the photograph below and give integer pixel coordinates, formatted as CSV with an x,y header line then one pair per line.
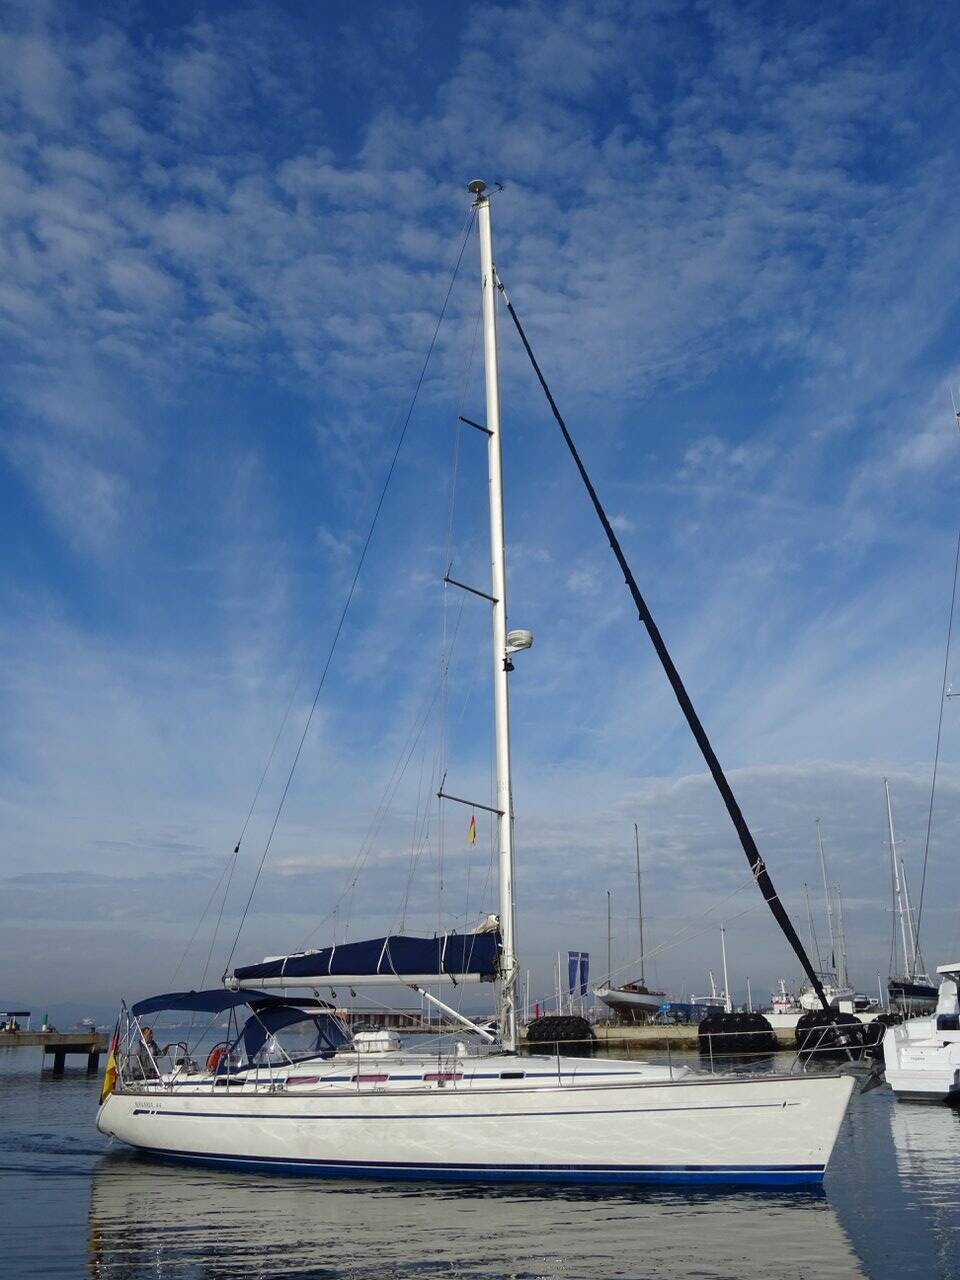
x,y
843,976
826,898
914,960
812,931
636,841
897,889
609,943
728,1000
498,590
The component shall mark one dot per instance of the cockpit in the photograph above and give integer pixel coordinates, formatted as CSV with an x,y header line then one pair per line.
x,y
276,1033
285,1033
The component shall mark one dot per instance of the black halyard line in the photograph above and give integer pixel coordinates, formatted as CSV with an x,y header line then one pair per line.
x,y
757,864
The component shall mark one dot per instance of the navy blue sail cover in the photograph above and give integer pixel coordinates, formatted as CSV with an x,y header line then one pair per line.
x,y
451,955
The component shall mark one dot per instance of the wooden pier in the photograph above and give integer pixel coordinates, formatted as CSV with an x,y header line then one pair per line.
x,y
59,1044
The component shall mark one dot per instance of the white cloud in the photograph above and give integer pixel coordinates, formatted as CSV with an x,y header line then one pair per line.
x,y
157,238
85,501
715,461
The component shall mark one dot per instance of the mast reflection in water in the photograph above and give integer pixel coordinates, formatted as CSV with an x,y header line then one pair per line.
x,y
164,1221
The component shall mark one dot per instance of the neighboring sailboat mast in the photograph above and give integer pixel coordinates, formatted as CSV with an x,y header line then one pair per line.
x,y
630,1000
609,941
498,590
727,1001
897,883
829,904
843,977
915,964
636,841
814,941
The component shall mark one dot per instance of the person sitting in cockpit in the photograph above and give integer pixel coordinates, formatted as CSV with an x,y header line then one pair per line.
x,y
146,1055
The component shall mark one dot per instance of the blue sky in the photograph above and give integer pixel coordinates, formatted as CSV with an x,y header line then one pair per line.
x,y
226,233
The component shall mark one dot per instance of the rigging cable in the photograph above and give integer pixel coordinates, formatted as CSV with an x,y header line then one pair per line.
x,y
757,864
356,577
203,916
892,962
410,745
813,932
216,928
691,931
936,754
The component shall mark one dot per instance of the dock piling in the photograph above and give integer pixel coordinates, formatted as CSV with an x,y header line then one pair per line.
x,y
58,1044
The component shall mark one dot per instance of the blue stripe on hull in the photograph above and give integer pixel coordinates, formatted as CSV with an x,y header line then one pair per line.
x,y
686,1175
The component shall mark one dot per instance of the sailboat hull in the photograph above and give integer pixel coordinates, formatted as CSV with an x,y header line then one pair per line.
x,y
918,996
631,1003
770,1131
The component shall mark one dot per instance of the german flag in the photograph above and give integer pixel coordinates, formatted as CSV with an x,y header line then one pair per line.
x,y
472,830
110,1074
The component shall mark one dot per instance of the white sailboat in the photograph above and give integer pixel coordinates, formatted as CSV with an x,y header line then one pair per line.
x,y
633,1001
910,987
290,1090
836,983
721,1001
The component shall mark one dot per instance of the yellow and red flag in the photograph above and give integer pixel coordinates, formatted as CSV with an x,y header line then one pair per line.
x,y
110,1074
472,830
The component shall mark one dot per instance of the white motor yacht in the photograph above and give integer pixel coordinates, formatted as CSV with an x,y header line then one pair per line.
x,y
922,1055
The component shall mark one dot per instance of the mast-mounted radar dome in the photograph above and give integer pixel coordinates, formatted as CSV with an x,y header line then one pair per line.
x,y
477,187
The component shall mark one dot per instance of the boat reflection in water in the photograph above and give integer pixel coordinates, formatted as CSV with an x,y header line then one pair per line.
x,y
926,1140
148,1219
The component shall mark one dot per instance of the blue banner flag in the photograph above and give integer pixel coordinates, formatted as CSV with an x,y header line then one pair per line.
x,y
578,972
573,967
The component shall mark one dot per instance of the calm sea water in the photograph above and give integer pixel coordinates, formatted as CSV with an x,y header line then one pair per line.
x,y
72,1205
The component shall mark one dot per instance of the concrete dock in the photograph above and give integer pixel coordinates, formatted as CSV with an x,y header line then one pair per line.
x,y
685,1036
59,1044
655,1037
658,1037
